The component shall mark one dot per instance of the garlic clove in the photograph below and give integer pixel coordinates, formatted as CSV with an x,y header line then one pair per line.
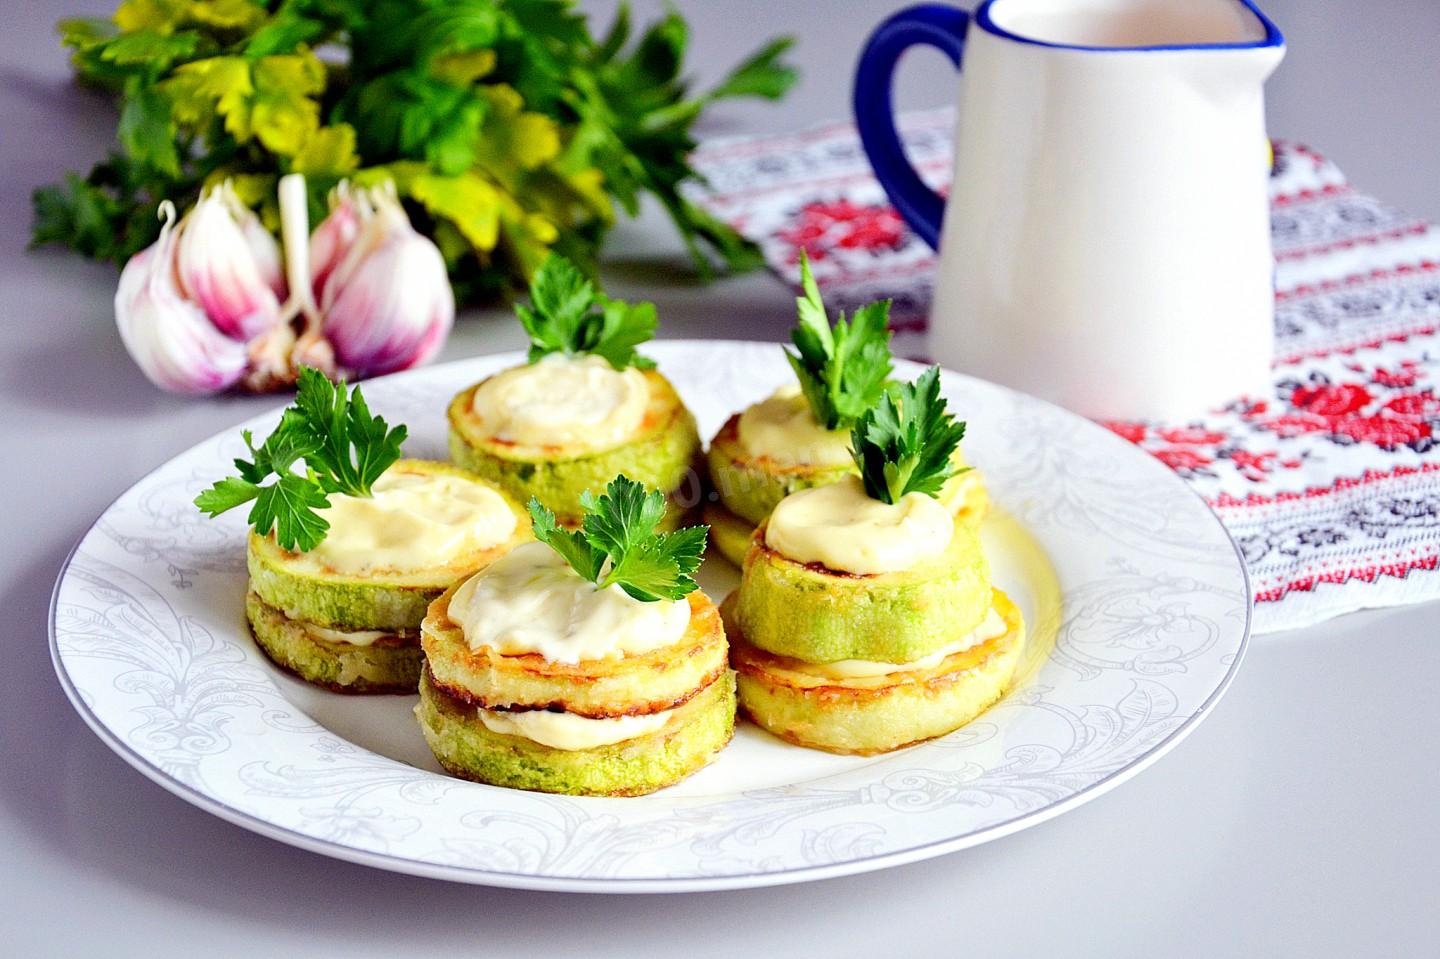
x,y
172,340
334,236
388,306
264,248
218,269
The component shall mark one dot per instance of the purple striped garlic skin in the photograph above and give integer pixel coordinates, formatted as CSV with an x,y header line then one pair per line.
x,y
229,265
388,305
335,235
170,338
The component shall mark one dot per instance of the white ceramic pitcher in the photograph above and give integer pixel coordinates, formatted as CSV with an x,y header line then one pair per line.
x,y
1106,243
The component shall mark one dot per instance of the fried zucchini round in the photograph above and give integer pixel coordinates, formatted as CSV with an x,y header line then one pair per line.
x,y
729,534
750,487
877,714
660,455
597,689
820,615
390,665
294,583
692,737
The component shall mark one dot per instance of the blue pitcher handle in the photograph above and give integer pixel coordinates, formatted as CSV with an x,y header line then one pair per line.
x,y
941,27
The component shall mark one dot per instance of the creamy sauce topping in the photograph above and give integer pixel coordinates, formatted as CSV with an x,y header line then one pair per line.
x,y
531,601
568,731
583,403
993,626
784,429
412,522
840,527
358,637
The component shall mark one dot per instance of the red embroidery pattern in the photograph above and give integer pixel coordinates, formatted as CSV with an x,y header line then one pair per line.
x,y
821,227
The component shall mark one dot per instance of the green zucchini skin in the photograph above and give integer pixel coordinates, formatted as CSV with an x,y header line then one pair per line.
x,y
338,667
662,456
372,601
336,604
470,750
908,708
749,486
729,534
819,615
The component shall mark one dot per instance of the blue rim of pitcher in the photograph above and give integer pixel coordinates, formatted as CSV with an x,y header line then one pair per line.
x,y
1273,37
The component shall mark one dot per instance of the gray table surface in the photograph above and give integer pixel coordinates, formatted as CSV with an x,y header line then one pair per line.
x,y
1299,820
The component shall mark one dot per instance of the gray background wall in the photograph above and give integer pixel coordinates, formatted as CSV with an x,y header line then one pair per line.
x,y
1360,83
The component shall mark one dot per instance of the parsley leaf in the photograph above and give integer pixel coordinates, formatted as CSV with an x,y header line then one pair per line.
x,y
842,369
288,506
660,567
344,449
621,518
570,544
354,448
568,315
617,543
904,444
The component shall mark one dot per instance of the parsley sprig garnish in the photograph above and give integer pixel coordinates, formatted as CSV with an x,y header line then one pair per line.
x,y
568,315
904,443
842,369
617,543
344,449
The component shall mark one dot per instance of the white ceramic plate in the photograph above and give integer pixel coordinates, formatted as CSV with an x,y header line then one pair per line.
x,y
1136,599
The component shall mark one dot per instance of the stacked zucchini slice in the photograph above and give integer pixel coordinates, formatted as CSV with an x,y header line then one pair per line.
x,y
661,452
529,697
627,417
686,682
358,630
839,650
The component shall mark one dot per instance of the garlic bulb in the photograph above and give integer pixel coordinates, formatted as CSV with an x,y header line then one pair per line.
x,y
201,310
388,305
218,266
170,338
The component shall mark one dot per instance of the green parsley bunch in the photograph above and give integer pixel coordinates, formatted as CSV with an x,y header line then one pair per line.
x,y
843,369
508,129
904,444
570,316
343,448
617,543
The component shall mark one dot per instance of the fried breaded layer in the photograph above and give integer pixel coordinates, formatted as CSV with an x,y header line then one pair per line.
x,y
601,688
690,740
877,714
390,665
374,600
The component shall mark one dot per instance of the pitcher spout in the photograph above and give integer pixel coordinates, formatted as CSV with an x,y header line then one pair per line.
x,y
1241,67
